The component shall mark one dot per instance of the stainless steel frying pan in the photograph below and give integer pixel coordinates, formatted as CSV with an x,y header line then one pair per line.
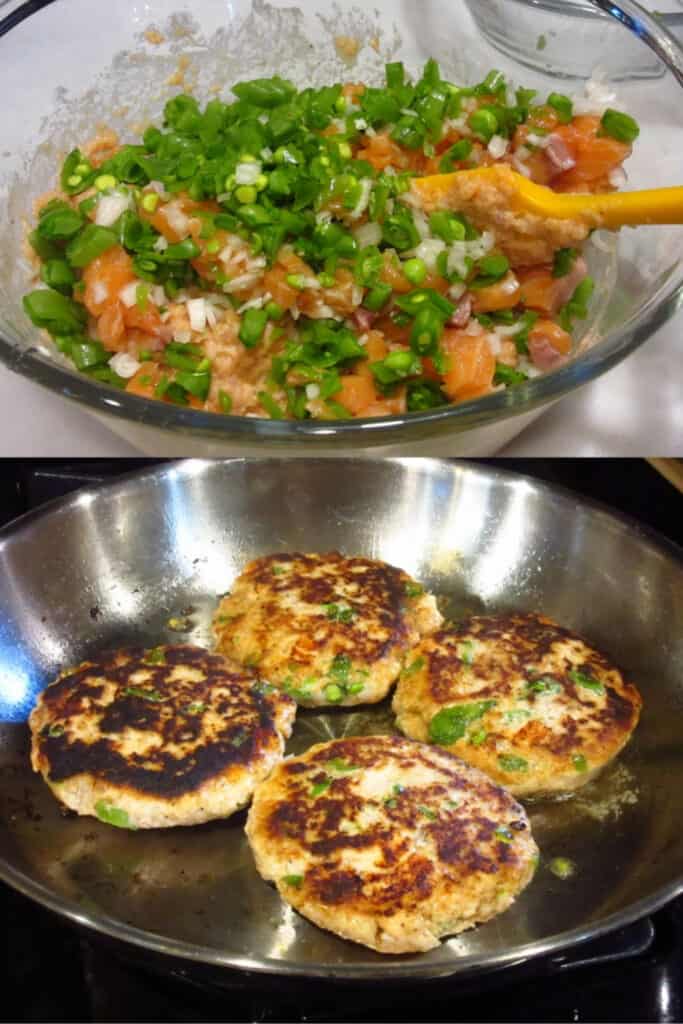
x,y
110,566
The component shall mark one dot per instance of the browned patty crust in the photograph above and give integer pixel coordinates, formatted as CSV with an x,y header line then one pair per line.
x,y
158,727
529,702
390,843
326,628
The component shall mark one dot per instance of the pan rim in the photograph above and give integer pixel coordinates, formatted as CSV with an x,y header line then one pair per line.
x,y
389,969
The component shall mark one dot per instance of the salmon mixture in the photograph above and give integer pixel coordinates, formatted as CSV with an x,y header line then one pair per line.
x,y
270,257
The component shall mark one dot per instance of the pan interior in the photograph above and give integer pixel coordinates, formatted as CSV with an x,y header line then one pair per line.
x,y
111,567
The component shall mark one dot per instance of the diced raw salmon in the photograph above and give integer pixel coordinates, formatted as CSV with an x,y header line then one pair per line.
x,y
105,277
502,295
111,327
472,365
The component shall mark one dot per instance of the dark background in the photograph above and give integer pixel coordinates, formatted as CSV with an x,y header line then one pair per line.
x,y
631,486
52,971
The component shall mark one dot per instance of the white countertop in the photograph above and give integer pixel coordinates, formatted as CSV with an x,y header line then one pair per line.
x,y
636,409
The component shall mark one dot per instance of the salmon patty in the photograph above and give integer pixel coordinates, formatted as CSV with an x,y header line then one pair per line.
x,y
150,739
532,704
327,629
390,843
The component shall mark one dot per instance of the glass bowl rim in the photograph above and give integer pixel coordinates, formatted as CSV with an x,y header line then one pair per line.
x,y
32,364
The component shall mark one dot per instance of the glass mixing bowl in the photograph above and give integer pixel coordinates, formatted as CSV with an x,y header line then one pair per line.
x,y
65,69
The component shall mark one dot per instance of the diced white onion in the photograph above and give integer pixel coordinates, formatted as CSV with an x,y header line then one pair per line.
x,y
422,225
100,291
521,167
325,312
183,337
158,295
618,177
248,174
177,220
523,153
597,95
196,311
356,295
474,329
312,392
211,317
158,187
361,124
161,244
429,251
257,303
539,141
129,294
495,344
475,250
498,147
368,234
238,284
110,208
456,291
124,365
363,200
509,332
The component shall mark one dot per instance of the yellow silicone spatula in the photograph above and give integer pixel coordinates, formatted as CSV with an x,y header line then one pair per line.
x,y
612,210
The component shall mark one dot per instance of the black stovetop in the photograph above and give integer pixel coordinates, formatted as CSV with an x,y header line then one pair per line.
x,y
52,971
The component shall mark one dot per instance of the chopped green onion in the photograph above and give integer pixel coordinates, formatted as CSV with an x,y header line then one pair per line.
x,y
252,327
563,105
512,763
111,815
416,666
333,693
416,271
450,724
562,867
484,124
580,763
58,274
504,835
295,881
225,402
456,154
104,182
142,296
620,126
586,681
55,312
89,244
271,406
564,262
577,307
338,764
151,695
378,297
